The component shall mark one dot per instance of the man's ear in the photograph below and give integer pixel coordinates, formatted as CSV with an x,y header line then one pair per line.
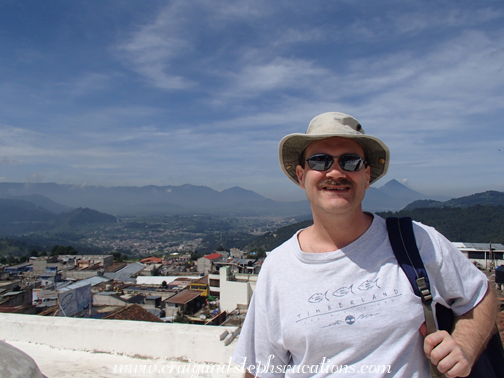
x,y
300,175
368,176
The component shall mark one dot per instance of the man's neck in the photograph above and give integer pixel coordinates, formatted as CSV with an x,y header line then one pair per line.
x,y
330,233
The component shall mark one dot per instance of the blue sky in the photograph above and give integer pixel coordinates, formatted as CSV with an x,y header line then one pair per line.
x,y
201,92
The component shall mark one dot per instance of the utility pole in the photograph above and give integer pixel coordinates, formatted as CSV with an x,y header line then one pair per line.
x,y
492,261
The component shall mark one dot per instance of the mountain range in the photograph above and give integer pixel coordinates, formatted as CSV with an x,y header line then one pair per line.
x,y
394,196
20,217
54,198
489,198
150,200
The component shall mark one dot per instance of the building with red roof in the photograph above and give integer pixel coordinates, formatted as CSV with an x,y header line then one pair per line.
x,y
206,263
152,260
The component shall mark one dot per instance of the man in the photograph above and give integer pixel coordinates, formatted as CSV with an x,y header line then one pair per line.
x,y
332,300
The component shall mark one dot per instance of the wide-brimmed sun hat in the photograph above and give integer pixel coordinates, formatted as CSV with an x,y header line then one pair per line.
x,y
328,125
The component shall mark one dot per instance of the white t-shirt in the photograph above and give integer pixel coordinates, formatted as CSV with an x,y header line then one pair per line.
x,y
351,312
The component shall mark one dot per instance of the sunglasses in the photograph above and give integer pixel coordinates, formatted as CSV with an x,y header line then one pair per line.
x,y
349,163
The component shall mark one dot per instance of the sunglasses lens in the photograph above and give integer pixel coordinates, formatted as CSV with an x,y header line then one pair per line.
x,y
351,163
320,162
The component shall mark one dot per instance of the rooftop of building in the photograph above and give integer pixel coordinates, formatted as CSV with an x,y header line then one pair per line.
x,y
464,246
134,312
213,256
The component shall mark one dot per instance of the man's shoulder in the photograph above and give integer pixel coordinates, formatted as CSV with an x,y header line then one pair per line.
x,y
422,230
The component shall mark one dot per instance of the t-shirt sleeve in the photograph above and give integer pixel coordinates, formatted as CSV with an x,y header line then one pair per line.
x,y
455,282
259,348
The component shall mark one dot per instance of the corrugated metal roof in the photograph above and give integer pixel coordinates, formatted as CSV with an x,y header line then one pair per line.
x,y
184,297
61,285
479,246
126,273
88,281
203,279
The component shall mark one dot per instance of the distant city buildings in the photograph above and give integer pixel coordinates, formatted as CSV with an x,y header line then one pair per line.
x,y
215,289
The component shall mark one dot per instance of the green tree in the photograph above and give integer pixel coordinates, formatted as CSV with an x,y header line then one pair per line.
x,y
58,250
260,252
69,250
117,256
11,260
195,255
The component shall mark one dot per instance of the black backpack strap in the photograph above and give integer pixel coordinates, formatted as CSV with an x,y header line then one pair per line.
x,y
402,239
403,242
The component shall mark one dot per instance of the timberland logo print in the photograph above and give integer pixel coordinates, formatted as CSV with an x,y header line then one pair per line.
x,y
348,304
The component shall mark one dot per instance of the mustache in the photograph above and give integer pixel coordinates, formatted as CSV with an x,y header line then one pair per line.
x,y
340,182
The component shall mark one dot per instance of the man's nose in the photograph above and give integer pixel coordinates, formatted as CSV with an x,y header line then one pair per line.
x,y
335,170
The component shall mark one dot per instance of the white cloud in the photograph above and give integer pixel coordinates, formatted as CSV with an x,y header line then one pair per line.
x,y
279,74
294,36
392,24
150,50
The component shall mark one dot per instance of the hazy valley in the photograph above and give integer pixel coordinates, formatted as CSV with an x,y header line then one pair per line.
x,y
160,220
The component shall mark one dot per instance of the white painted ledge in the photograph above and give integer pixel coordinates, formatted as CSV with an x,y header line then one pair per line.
x,y
93,347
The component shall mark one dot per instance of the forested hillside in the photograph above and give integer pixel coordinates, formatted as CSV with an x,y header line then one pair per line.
x,y
476,224
488,198
271,240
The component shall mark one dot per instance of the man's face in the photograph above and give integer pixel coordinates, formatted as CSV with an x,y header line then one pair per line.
x,y
334,191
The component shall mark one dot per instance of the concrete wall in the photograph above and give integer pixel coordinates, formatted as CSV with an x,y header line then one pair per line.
x,y
479,257
141,339
233,293
39,266
104,260
108,300
24,298
204,265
